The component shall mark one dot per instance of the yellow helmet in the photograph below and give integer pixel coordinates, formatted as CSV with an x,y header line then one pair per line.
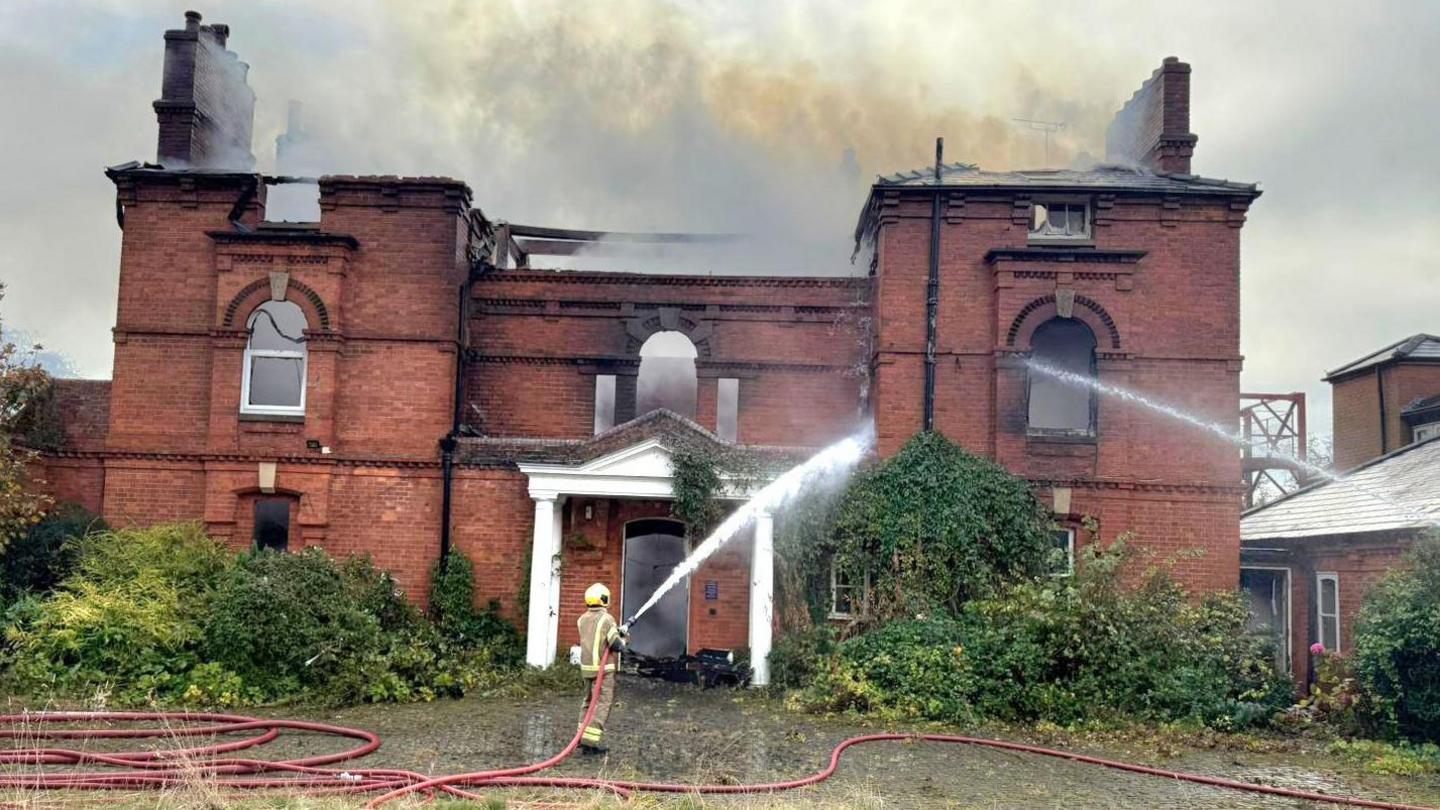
x,y
597,595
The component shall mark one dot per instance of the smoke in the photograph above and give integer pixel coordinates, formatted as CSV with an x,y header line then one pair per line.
x,y
672,117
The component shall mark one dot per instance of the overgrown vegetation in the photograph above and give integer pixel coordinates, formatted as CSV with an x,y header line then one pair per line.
x,y
25,396
1064,649
37,561
1397,647
700,474
166,615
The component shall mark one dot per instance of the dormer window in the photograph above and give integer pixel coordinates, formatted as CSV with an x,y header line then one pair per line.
x,y
1060,220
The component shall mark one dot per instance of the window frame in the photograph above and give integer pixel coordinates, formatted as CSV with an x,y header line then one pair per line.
x,y
863,588
1320,615
1087,234
289,504
247,367
605,418
727,414
1091,432
1424,432
1069,550
1286,655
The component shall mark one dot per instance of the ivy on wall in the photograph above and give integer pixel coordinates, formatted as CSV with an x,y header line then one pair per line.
x,y
701,475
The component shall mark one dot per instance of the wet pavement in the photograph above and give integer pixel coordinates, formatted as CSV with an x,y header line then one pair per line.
x,y
670,732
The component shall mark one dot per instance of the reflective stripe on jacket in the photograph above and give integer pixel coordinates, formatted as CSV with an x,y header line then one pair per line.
x,y
597,631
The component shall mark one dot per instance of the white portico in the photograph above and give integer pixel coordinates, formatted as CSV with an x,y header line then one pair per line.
x,y
639,471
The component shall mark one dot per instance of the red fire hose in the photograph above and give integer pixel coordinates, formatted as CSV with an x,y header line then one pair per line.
x,y
212,764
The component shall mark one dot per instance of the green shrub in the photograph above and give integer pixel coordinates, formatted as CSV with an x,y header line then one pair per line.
x,y
452,605
1089,645
1397,646
796,658
909,669
38,560
935,526
129,616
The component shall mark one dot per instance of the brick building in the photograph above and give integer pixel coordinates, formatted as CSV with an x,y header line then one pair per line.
x,y
1309,558
382,381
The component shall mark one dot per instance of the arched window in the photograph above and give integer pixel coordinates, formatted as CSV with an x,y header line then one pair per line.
x,y
667,375
274,381
1058,406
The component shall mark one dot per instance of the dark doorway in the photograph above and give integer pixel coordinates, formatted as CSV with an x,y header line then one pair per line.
x,y
653,547
1267,592
272,524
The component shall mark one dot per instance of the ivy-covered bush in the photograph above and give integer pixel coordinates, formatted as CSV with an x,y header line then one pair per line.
x,y
1397,646
36,561
908,669
797,657
934,526
452,605
130,615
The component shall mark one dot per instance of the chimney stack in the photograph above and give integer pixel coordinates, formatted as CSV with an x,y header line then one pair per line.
x,y
1152,130
206,108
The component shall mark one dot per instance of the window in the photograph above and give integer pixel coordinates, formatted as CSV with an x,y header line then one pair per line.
x,y
1062,552
604,402
727,409
1430,431
1327,608
847,595
274,381
272,524
1060,220
667,375
1267,593
1062,406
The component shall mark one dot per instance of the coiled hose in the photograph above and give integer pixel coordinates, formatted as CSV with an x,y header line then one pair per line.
x,y
216,764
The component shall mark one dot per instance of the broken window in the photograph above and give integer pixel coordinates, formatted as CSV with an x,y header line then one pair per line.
x,y
1060,220
274,374
604,402
727,409
272,524
667,375
1062,406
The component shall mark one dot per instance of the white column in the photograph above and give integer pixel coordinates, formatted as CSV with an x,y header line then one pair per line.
x,y
762,598
557,535
544,586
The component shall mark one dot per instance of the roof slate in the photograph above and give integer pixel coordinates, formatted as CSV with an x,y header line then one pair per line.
x,y
1396,491
1127,178
1416,347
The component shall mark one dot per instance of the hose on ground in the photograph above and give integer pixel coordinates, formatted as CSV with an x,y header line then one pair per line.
x,y
37,767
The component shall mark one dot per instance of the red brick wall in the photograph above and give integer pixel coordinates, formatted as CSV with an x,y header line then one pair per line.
x,y
1166,326
1359,565
542,336
83,407
1357,413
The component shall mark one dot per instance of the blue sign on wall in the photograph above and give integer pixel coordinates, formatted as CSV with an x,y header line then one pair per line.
x,y
712,590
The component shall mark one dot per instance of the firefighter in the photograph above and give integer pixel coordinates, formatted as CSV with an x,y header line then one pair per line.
x,y
598,631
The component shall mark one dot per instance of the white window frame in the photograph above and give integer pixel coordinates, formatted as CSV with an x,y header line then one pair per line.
x,y
1426,431
1321,615
864,589
1041,235
271,410
1289,642
1069,552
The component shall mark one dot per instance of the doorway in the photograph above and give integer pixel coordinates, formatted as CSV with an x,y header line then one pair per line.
x,y
1267,592
653,547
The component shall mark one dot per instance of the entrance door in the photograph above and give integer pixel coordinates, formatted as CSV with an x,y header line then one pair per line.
x,y
1267,590
653,547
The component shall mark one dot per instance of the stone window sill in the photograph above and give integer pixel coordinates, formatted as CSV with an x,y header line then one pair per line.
x,y
1034,437
290,419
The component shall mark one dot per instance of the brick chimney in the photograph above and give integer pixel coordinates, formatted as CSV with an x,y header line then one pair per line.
x,y
206,108
1153,128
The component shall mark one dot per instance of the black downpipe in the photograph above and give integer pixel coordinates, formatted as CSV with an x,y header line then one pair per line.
x,y
932,293
451,441
1380,391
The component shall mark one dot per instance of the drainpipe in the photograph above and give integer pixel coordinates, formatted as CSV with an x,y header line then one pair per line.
x,y
451,440
932,293
1380,390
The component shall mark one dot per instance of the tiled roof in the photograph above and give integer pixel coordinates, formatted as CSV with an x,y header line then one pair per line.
x,y
1421,404
1416,347
1400,490
1126,178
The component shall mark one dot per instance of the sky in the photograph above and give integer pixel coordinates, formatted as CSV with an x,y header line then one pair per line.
x,y
768,118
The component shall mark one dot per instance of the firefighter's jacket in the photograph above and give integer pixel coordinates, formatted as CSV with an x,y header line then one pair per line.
x,y
598,631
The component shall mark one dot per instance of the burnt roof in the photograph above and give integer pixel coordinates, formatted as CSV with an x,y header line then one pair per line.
x,y
1423,348
1119,178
